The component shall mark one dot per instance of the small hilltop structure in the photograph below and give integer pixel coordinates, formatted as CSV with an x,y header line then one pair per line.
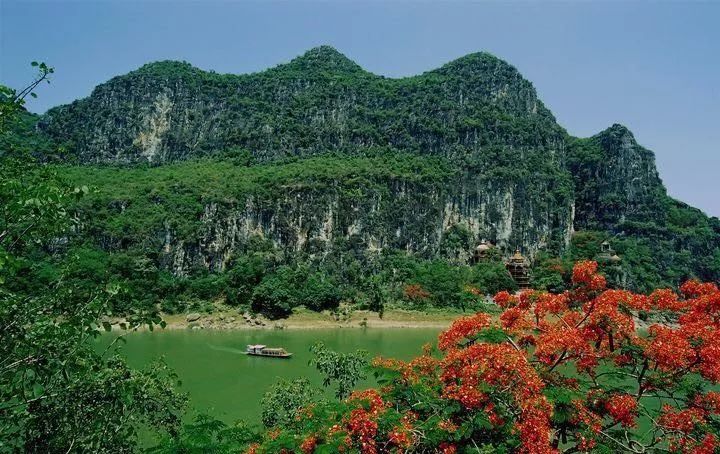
x,y
607,254
482,252
517,265
519,268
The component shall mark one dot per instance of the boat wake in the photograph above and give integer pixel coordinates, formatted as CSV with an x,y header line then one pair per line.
x,y
226,349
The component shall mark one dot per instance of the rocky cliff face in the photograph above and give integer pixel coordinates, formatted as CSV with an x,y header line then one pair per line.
x,y
394,215
616,180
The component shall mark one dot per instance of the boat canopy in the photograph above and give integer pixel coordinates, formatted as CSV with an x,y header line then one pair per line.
x,y
256,347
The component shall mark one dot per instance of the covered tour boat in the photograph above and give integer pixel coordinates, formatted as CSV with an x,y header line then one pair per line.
x,y
262,350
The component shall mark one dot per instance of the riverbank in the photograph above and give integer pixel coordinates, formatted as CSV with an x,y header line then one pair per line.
x,y
304,319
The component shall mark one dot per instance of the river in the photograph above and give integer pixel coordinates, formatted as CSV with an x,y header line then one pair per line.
x,y
225,383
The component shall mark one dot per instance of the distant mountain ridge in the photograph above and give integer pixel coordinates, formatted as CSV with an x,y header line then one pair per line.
x,y
517,177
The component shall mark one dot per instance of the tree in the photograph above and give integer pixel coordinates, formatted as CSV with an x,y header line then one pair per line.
x,y
275,296
12,101
57,392
443,281
555,372
547,273
376,294
492,276
245,273
345,369
282,402
207,435
320,292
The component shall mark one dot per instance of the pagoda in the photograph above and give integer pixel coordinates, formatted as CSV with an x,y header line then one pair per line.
x,y
607,254
519,269
482,252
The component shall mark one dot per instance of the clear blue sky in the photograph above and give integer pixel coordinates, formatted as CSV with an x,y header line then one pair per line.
x,y
653,66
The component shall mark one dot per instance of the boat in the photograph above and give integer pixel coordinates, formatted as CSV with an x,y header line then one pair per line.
x,y
262,350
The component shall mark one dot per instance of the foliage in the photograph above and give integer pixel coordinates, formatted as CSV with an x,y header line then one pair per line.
x,y
58,393
243,275
491,277
282,402
442,284
548,273
290,287
207,435
556,372
343,369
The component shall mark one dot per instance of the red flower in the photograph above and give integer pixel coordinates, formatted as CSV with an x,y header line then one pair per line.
x,y
463,329
622,408
447,448
447,425
415,292
681,420
370,397
515,320
710,402
548,303
363,428
308,445
694,289
504,299
585,275
665,299
669,348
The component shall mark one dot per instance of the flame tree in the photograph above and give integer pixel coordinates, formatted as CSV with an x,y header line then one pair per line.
x,y
567,372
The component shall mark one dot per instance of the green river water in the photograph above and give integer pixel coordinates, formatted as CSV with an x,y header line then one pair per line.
x,y
225,383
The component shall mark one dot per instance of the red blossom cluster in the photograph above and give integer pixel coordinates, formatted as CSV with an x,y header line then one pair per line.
x,y
463,329
585,326
447,448
622,408
362,427
447,425
694,344
587,278
680,426
308,445
481,376
415,292
401,436
361,424
422,367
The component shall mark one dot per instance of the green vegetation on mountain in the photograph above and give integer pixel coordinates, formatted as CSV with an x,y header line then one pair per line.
x,y
316,182
317,103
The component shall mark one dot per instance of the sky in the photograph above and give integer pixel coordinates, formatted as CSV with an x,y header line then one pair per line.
x,y
652,66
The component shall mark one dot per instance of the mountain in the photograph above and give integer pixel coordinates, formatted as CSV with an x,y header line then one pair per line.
x,y
321,157
321,101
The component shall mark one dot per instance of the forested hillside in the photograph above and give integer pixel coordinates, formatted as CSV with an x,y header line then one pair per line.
x,y
318,173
